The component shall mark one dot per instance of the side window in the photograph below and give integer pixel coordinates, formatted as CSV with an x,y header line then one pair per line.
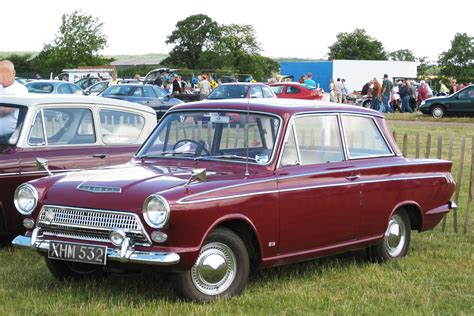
x,y
75,89
277,89
290,155
319,140
363,137
256,92
137,92
467,94
65,126
291,90
267,92
120,127
64,89
36,136
149,93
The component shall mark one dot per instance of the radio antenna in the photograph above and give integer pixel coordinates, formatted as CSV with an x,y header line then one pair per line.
x,y
247,139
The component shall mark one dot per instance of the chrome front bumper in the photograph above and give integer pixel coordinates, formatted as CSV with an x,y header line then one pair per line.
x,y
125,253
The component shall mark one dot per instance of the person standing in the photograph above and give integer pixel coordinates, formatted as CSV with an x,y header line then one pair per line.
x,y
442,88
302,79
422,92
404,92
309,81
113,79
332,96
338,86
387,86
345,91
376,95
205,85
8,84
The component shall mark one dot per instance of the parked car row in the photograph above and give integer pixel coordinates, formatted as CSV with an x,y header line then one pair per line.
x,y
207,199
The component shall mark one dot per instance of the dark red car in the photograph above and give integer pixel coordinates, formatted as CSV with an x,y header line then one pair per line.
x,y
71,132
208,199
295,90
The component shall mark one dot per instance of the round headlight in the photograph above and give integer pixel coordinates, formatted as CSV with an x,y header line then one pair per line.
x,y
156,211
26,198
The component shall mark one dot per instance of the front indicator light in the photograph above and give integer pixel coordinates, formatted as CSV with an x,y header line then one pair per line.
x,y
117,236
29,223
158,237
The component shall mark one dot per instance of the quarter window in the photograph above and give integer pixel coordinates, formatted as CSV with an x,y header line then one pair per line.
x,y
119,127
267,92
36,136
290,155
363,137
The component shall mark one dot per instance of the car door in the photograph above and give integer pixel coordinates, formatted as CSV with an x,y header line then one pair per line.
x,y
462,103
318,188
66,137
368,149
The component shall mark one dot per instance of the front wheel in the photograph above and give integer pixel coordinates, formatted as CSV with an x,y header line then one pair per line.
x,y
438,112
67,270
396,240
221,269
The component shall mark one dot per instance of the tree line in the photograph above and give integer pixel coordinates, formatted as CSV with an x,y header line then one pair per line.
x,y
200,43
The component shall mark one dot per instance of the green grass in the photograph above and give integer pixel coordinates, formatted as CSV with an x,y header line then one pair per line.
x,y
426,118
437,277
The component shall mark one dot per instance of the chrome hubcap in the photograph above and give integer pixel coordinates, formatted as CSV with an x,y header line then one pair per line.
x,y
215,269
395,236
437,112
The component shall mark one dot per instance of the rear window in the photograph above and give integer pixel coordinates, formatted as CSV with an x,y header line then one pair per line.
x,y
118,90
40,87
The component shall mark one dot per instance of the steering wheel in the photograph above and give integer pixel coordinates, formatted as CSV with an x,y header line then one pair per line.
x,y
200,146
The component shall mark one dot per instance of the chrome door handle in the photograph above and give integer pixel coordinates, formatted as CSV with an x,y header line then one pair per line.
x,y
353,177
101,156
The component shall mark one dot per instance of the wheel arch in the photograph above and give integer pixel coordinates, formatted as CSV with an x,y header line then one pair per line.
x,y
414,213
244,228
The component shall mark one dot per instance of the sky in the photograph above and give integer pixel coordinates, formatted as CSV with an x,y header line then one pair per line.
x,y
303,28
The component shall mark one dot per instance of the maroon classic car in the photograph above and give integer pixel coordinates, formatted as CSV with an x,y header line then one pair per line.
x,y
208,198
71,132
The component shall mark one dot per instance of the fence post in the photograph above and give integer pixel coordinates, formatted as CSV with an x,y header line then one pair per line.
x,y
417,145
428,146
450,158
405,145
394,134
469,200
458,182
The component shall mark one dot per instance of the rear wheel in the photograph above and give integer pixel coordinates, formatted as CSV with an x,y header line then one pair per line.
x,y
396,239
67,270
221,269
438,111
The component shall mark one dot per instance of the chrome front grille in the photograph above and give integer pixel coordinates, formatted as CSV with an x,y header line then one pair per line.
x,y
90,224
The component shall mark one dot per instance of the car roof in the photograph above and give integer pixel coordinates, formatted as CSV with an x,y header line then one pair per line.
x,y
54,82
241,83
31,100
277,106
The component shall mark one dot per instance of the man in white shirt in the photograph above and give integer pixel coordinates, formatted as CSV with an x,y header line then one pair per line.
x,y
9,86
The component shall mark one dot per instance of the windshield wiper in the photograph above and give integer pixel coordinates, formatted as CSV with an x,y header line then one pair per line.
x,y
224,157
168,153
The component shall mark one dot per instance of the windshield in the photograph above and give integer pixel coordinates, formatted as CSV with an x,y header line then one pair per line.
x,y
204,135
231,91
118,90
11,120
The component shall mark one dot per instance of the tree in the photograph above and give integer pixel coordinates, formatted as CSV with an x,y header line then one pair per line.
x,y
77,43
402,55
356,46
192,36
458,60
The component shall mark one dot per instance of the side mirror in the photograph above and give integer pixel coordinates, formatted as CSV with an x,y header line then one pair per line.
x,y
42,165
197,175
87,92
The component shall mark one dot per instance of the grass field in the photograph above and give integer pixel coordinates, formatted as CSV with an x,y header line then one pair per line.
x,y
436,278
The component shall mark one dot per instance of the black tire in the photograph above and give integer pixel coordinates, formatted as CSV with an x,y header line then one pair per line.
x,y
438,111
205,282
396,239
67,270
366,104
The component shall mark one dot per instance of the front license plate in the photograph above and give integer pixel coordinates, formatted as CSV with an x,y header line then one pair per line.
x,y
78,252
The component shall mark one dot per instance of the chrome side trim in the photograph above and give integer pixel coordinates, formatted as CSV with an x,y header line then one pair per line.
x,y
349,183
98,189
128,255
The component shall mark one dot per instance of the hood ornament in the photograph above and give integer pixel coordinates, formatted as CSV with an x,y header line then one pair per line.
x,y
196,175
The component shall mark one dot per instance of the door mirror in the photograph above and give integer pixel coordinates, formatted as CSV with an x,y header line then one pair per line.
x,y
42,165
